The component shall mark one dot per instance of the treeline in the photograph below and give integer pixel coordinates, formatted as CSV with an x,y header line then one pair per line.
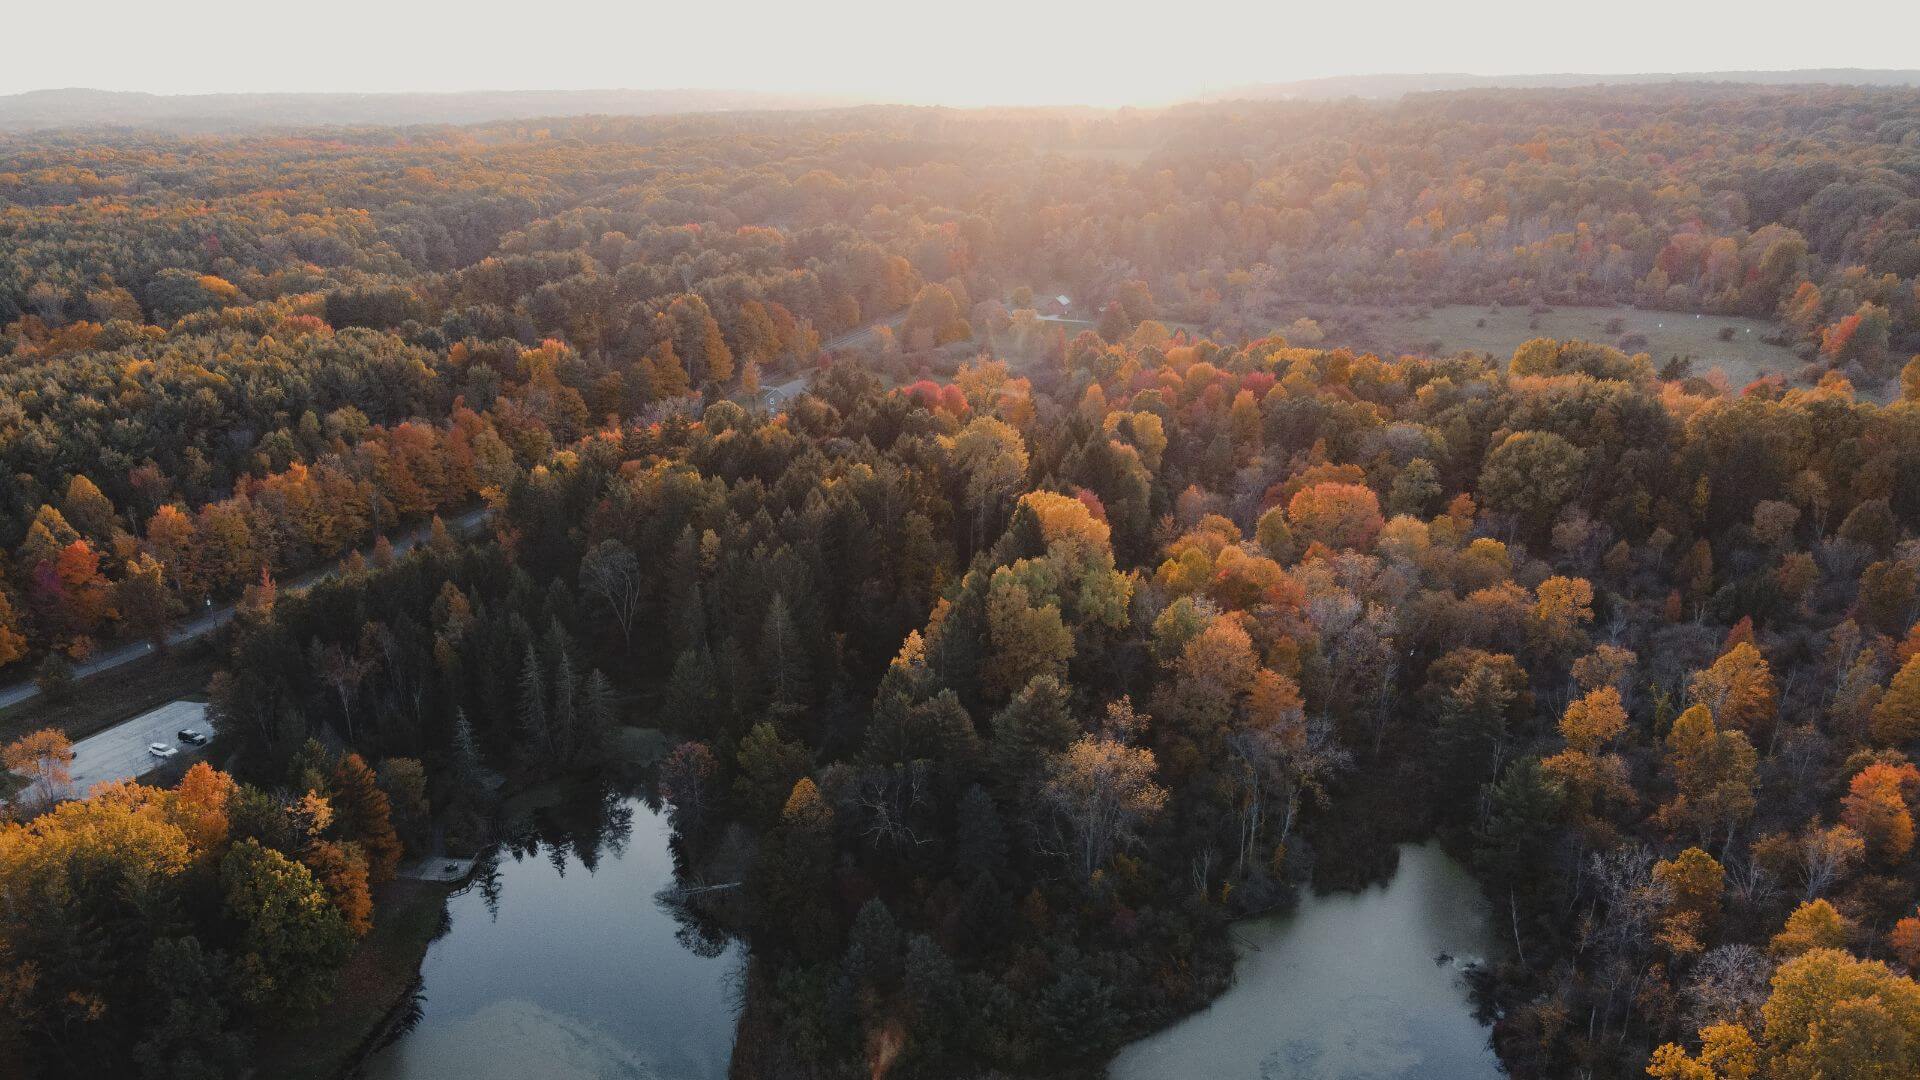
x,y
1236,617
226,386
183,315
1003,699
1004,690
151,931
1210,622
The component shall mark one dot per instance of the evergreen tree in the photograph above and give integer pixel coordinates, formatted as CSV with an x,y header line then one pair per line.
x,y
1511,844
466,766
783,661
692,697
563,718
980,836
598,714
538,743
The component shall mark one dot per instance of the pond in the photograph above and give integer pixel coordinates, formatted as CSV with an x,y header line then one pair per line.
x,y
559,963
1348,986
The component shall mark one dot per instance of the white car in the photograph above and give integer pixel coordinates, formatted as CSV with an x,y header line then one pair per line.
x,y
161,750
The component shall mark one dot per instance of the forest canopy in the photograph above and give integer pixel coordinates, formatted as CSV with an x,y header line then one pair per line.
x,y
1025,587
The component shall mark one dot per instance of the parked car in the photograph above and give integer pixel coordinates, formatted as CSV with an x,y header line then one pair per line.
x,y
188,735
161,750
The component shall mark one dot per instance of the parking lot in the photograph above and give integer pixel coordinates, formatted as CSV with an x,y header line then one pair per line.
x,y
121,751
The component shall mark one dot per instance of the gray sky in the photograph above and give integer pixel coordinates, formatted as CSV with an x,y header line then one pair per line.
x,y
970,52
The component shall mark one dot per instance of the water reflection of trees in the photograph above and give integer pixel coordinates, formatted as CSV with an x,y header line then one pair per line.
x,y
594,822
487,878
705,898
697,929
588,823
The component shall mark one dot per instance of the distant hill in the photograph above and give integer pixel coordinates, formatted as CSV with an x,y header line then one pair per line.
x,y
79,108
38,110
1393,86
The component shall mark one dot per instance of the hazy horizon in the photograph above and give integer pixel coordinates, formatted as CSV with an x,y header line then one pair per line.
x,y
959,541
1210,90
1074,52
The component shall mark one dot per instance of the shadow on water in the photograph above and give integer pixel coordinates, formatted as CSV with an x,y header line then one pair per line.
x,y
406,1018
572,954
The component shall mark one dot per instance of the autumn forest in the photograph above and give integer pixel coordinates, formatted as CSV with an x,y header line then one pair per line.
x,y
974,533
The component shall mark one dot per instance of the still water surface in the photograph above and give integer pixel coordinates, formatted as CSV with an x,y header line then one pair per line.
x,y
561,964
1349,986
551,969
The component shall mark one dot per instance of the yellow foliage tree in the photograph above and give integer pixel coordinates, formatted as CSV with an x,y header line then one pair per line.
x,y
1593,721
1896,719
45,759
1813,925
1739,689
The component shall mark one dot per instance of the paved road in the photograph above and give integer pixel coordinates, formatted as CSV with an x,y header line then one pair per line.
x,y
214,618
774,398
120,752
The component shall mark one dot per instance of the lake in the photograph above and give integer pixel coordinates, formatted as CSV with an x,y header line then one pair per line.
x,y
1348,986
559,963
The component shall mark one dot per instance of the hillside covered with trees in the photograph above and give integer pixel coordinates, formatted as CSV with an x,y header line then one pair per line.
x,y
1018,656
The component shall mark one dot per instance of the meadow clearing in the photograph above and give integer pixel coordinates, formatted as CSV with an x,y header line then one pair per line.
x,y
1744,356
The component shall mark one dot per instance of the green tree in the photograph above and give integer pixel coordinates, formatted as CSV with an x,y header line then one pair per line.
x,y
190,1034
292,940
783,663
1532,475
534,725
1031,728
1512,841
768,767
1414,489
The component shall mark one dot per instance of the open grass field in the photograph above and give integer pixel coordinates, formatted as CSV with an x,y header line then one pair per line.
x,y
1472,327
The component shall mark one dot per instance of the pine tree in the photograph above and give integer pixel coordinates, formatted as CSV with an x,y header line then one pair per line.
x,y
533,707
1512,842
872,960
565,712
783,662
597,713
692,696
690,626
1033,727
980,836
466,754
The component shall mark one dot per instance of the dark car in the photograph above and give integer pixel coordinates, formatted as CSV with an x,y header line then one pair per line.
x,y
188,735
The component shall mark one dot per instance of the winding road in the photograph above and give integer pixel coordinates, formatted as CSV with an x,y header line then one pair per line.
x,y
217,615
214,618
775,397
